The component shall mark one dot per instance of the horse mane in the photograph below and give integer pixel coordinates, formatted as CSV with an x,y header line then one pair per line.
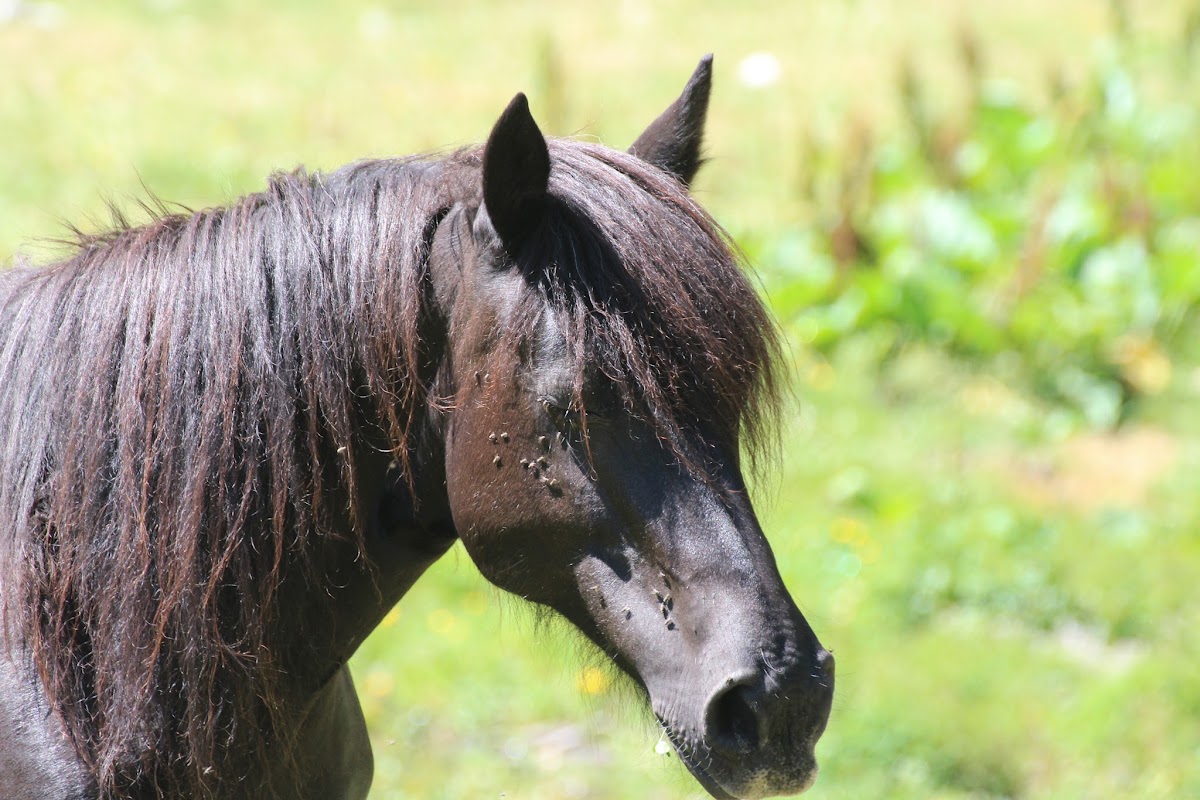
x,y
185,406
192,393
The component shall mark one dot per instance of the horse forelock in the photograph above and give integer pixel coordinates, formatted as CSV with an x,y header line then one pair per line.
x,y
650,291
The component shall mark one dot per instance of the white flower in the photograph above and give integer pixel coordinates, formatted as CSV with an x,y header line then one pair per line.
x,y
760,69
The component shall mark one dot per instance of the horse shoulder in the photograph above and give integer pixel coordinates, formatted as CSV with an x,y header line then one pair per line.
x,y
332,748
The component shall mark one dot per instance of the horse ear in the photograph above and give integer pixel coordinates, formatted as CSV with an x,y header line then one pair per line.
x,y
672,142
516,171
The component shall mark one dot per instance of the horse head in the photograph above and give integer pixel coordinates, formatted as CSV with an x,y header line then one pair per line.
x,y
608,358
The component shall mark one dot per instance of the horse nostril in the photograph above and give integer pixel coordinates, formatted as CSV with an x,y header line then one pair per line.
x,y
731,721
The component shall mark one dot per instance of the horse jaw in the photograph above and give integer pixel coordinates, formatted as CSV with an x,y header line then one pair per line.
x,y
698,615
758,744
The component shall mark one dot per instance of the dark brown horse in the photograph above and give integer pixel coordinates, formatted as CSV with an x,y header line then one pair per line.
x,y
231,440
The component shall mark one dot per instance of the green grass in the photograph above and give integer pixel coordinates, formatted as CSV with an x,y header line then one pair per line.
x,y
1010,597
201,100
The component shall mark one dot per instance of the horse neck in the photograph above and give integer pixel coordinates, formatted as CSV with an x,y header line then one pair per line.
x,y
405,527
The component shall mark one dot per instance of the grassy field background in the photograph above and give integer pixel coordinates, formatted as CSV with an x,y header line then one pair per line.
x,y
1006,572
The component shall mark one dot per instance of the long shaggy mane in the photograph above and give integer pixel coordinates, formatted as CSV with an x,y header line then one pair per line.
x,y
183,401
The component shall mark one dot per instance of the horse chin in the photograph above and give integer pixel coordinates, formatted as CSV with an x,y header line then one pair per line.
x,y
732,780
754,786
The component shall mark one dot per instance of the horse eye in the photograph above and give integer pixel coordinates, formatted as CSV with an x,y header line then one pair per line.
x,y
564,416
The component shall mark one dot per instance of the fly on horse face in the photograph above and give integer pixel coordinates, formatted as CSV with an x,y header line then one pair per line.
x,y
231,440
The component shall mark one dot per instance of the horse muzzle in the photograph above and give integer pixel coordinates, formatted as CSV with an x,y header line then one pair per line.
x,y
756,733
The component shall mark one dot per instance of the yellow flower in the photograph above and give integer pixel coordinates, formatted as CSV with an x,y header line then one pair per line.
x,y
443,623
1143,363
848,530
475,602
854,534
592,680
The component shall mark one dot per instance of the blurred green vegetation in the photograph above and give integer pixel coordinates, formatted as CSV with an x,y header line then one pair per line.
x,y
978,224
1059,238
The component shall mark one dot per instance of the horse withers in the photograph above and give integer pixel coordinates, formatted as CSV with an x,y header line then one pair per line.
x,y
231,440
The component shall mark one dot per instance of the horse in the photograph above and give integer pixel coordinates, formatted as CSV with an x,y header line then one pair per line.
x,y
232,439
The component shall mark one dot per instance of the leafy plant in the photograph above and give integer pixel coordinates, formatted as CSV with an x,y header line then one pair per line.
x,y
1061,236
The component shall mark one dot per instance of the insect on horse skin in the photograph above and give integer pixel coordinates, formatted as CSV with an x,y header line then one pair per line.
x,y
232,440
